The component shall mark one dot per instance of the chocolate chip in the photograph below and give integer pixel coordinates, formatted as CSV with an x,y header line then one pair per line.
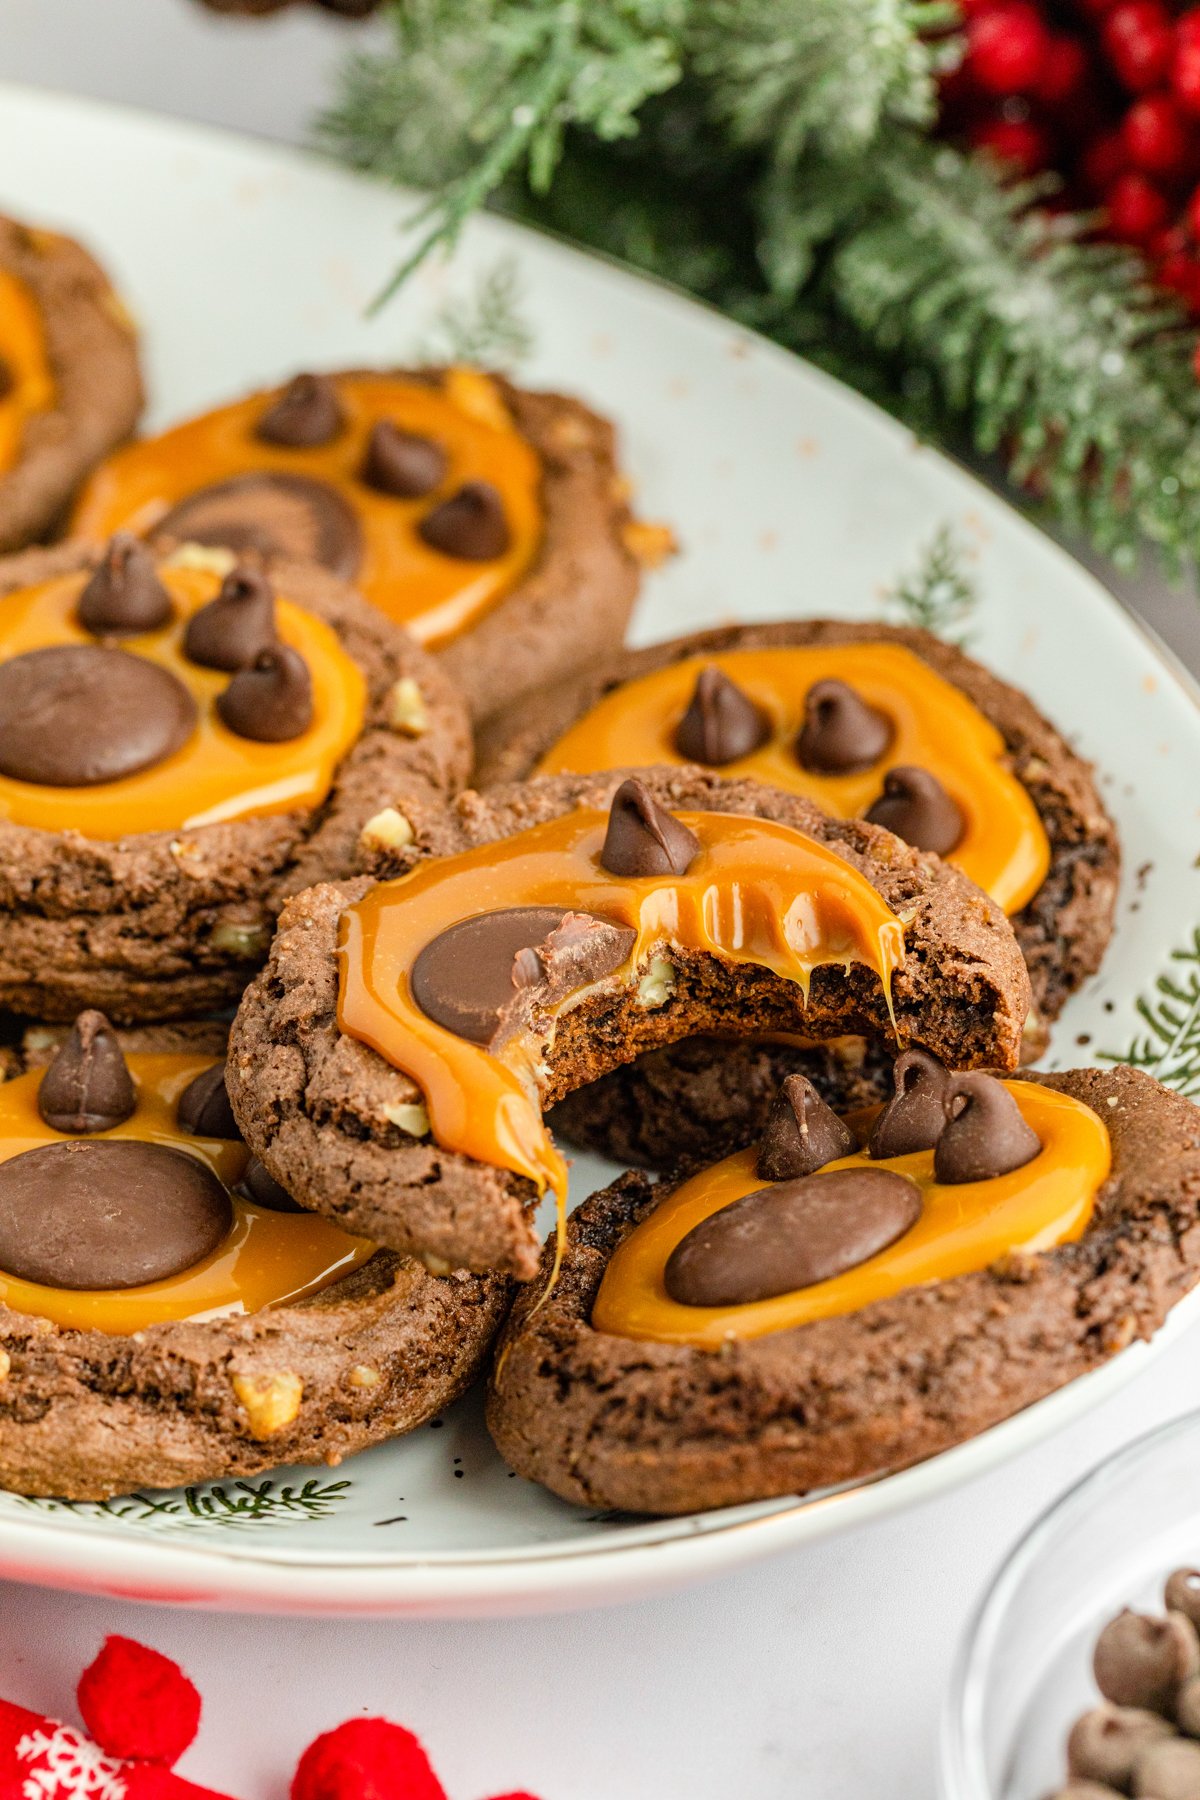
x,y
470,524
841,733
401,463
985,1133
124,595
259,1185
75,715
802,1133
1187,1706
1168,1770
271,701
271,513
107,1213
306,414
1084,1790
721,723
88,1086
203,1107
1142,1661
1182,1593
915,1117
231,629
643,838
790,1236
916,806
1105,1742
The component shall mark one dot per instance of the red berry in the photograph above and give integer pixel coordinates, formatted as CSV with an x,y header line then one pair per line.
x,y
1094,9
1005,47
1181,275
366,1759
1104,159
1136,208
1019,142
1156,137
137,1703
1140,43
1187,27
1185,73
1064,71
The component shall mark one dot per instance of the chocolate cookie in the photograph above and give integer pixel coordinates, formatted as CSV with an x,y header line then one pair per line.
x,y
690,937
307,1350
487,520
667,1427
157,799
70,386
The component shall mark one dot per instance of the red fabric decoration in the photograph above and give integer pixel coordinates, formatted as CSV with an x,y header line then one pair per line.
x,y
366,1759
137,1703
44,1757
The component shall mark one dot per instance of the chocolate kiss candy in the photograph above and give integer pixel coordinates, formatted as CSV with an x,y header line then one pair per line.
x,y
782,1238
1105,1743
1182,1593
916,806
721,722
643,838
841,733
272,700
470,524
306,414
915,1117
401,463
1168,1770
984,1134
230,631
107,1213
76,715
203,1107
124,595
87,1087
259,1185
1143,1661
466,975
802,1133
271,513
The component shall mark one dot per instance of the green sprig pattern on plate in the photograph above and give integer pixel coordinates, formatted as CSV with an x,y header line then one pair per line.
x,y
1169,1046
236,1503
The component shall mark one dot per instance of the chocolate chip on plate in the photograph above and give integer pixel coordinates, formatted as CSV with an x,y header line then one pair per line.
x,y
1168,1770
790,1236
259,1185
915,1116
107,1213
721,723
307,414
1182,1593
401,463
271,700
841,732
985,1134
76,715
203,1107
916,806
123,595
271,513
233,627
802,1133
88,1086
1105,1741
643,838
471,524
1144,1661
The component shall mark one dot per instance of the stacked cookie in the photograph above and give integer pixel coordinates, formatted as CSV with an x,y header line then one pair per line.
x,y
774,912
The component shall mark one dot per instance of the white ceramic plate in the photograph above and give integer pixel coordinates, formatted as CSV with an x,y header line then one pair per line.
x,y
789,495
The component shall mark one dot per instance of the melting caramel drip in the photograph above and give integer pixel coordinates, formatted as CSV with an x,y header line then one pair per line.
x,y
216,775
758,892
1004,848
961,1229
434,595
268,1259
24,356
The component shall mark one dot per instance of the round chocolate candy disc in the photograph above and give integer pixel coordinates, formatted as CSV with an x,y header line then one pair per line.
x,y
468,974
271,514
107,1213
790,1236
76,715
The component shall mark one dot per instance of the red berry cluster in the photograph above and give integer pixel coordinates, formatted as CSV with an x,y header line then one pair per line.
x,y
1107,92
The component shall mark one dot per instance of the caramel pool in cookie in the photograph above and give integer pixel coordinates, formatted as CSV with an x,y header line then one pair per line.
x,y
26,379
842,724
422,493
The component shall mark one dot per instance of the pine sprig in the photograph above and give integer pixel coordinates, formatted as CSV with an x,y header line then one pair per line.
x,y
1169,1048
939,595
485,328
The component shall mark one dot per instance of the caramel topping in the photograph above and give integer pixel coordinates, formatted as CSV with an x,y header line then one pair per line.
x,y
434,594
961,1229
268,1259
755,892
28,387
215,775
935,727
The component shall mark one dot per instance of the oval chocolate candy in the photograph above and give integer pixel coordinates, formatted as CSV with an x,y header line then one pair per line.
x,y
272,513
76,715
465,977
791,1236
108,1213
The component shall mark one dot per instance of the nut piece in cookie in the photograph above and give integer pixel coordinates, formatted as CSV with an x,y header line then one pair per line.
x,y
167,1317
392,1064
182,741
486,520
70,386
668,1368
